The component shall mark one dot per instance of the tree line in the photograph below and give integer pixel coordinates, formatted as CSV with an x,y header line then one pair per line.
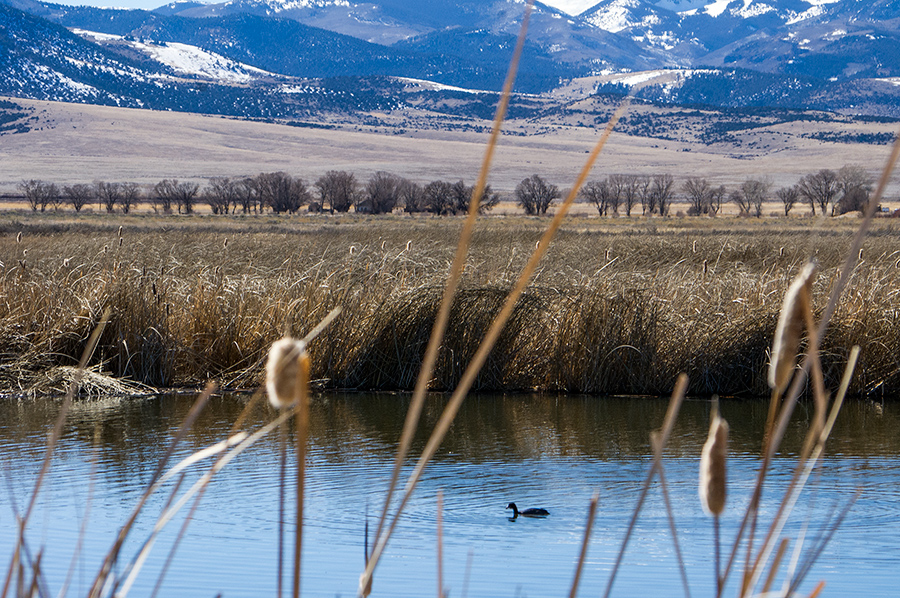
x,y
826,192
278,192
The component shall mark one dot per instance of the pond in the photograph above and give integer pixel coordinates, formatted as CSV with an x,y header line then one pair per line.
x,y
539,451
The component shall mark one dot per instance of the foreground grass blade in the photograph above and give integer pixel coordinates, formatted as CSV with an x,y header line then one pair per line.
x,y
113,555
660,444
51,447
452,284
592,513
487,344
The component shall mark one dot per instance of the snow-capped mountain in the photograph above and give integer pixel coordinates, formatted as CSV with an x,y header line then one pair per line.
x,y
794,53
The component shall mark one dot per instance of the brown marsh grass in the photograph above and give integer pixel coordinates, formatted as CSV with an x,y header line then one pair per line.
x,y
614,308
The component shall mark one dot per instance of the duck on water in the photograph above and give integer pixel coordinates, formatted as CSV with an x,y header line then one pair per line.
x,y
527,512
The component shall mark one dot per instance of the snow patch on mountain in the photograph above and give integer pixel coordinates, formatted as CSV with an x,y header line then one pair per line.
x,y
716,8
276,6
752,9
187,60
570,7
816,9
619,15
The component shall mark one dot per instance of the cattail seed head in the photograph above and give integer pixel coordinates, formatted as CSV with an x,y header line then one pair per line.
x,y
283,371
713,468
790,325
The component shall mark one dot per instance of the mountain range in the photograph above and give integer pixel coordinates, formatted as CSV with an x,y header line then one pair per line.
x,y
300,58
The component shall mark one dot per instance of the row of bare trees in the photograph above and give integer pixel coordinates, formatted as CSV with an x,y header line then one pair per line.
x,y
831,192
626,191
826,191
335,191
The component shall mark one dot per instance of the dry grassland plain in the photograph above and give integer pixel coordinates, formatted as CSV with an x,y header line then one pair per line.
x,y
620,305
75,143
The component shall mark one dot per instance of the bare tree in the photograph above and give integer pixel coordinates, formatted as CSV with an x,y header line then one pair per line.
x,y
598,193
820,189
169,191
716,199
221,193
630,192
439,198
644,187
337,190
108,195
855,187
535,195
32,190
40,194
412,197
164,196
131,196
246,195
79,195
662,190
617,183
462,197
698,192
788,196
383,192
281,192
750,197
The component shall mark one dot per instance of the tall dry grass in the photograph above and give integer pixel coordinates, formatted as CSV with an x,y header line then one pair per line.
x,y
617,308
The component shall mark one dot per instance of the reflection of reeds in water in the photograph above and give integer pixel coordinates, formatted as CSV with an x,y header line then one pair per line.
x,y
290,366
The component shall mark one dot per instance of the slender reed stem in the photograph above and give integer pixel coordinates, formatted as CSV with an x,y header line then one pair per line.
x,y
585,542
456,270
113,554
776,563
465,586
440,544
803,471
302,423
282,477
796,388
670,516
51,447
484,349
718,557
659,444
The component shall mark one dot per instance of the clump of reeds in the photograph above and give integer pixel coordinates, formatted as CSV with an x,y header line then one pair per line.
x,y
176,322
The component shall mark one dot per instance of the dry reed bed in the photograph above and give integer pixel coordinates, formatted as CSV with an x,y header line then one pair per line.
x,y
614,308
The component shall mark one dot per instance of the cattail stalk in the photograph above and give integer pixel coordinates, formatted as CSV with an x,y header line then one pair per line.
x,y
302,421
713,471
790,325
287,384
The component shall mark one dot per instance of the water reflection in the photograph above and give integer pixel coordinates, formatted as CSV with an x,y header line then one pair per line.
x,y
548,451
